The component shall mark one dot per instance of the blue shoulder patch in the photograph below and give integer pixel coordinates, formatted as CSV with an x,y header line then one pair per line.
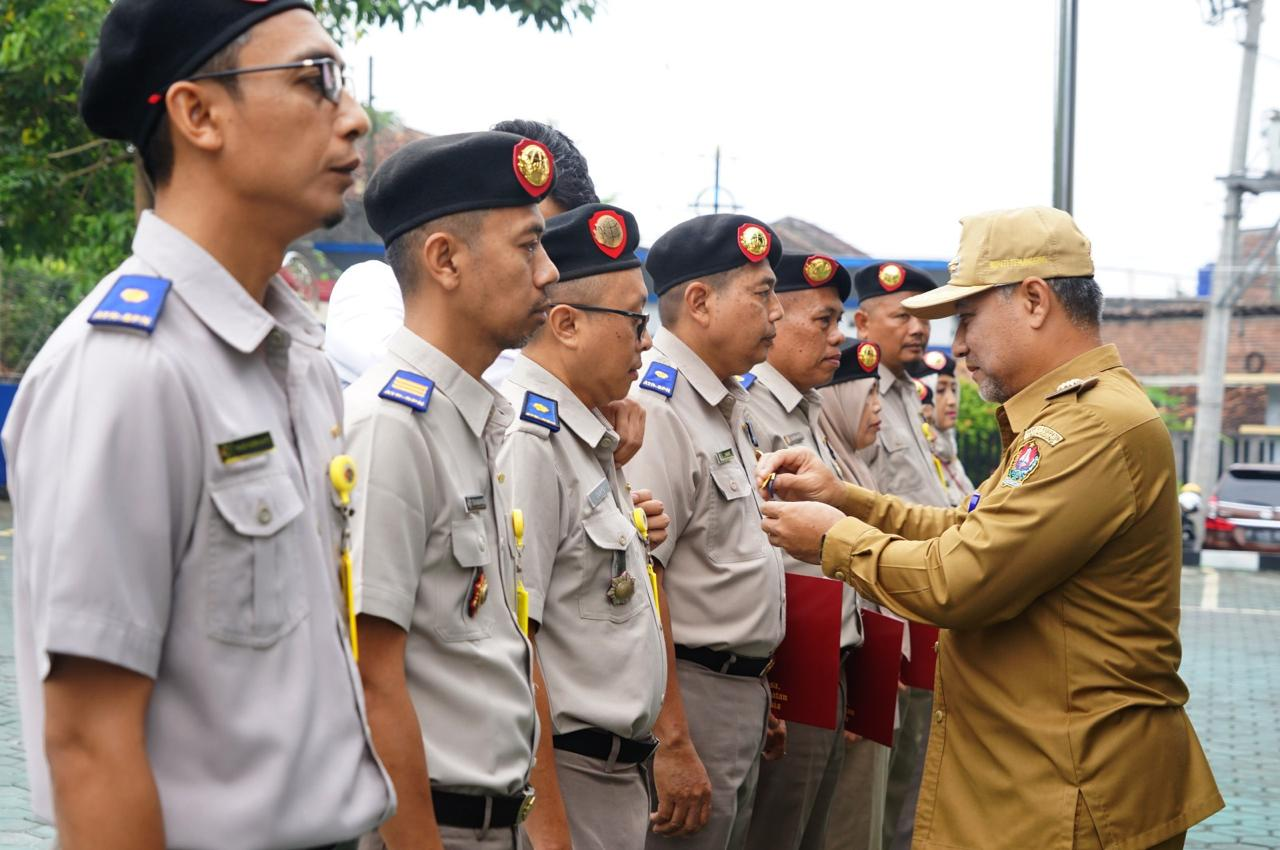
x,y
541,410
660,378
134,302
409,389
747,380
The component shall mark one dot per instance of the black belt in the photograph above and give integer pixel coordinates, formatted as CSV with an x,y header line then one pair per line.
x,y
341,845
599,744
468,810
725,662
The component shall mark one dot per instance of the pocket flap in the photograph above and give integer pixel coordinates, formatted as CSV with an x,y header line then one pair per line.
x,y
470,548
731,480
609,529
258,507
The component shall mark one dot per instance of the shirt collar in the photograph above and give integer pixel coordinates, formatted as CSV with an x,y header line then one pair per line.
x,y
1023,407
475,399
217,298
695,370
783,390
587,424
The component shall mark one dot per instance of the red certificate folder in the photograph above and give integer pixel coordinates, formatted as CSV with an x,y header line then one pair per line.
x,y
806,666
871,679
918,672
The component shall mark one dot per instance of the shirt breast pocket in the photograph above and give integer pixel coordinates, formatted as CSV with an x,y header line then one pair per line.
x,y
455,583
732,533
255,583
609,538
891,441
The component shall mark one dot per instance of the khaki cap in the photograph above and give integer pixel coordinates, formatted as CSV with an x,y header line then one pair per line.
x,y
1007,246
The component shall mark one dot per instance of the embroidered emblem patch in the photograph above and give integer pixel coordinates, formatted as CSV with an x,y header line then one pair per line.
x,y
135,301
246,447
409,389
935,360
541,410
1024,463
1043,432
609,232
660,378
868,356
747,380
818,270
891,276
754,241
533,166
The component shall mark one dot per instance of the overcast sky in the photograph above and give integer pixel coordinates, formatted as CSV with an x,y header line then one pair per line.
x,y
881,122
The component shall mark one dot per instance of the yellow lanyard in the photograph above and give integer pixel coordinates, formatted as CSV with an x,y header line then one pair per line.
x,y
522,595
642,526
342,475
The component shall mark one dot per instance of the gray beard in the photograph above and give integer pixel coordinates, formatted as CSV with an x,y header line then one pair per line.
x,y
993,390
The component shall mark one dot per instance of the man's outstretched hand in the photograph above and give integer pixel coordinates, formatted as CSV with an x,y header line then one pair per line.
x,y
800,476
797,527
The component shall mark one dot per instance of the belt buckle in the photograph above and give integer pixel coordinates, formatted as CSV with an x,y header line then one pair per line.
x,y
527,806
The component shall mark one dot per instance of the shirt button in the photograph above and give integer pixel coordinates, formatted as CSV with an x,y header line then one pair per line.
x,y
622,540
264,515
733,486
936,646
838,575
937,715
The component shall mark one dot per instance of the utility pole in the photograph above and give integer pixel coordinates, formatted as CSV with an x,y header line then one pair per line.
x,y
1064,123
371,159
1225,288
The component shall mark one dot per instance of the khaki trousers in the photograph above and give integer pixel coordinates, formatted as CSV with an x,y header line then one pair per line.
x,y
608,807
795,793
727,718
856,821
906,763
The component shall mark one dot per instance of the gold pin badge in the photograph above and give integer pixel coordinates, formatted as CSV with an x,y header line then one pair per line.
x,y
754,242
818,270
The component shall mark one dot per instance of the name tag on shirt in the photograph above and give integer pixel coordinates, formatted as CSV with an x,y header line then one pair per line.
x,y
598,493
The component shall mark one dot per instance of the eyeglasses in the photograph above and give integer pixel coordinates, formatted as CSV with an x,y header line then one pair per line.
x,y
333,77
641,319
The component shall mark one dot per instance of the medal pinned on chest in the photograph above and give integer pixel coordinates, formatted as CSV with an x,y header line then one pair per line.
x,y
622,587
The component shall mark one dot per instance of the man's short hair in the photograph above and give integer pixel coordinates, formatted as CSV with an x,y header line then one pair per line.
x,y
402,253
1081,299
670,301
574,187
157,156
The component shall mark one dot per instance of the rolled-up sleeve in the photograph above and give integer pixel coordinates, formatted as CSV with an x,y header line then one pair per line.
x,y
1020,542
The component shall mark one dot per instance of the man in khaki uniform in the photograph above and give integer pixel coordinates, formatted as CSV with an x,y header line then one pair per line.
x,y
584,564
795,792
722,583
903,465
1059,720
448,673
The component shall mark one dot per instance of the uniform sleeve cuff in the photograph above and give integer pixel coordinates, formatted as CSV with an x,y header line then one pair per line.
x,y
838,546
383,602
90,635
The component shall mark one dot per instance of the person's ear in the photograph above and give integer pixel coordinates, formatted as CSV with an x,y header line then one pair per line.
x,y
1036,298
861,322
562,322
697,302
195,115
441,257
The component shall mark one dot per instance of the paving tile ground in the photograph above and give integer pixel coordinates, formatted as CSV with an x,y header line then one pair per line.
x,y
1230,634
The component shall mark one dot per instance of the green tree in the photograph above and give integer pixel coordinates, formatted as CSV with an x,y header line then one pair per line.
x,y
977,433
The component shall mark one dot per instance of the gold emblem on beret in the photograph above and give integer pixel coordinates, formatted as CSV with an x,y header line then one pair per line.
x,y
819,270
868,356
533,166
922,389
892,276
935,360
754,242
608,231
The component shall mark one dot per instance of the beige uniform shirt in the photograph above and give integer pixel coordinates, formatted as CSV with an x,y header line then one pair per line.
x,y
429,521
174,517
785,417
901,458
724,579
605,664
1058,676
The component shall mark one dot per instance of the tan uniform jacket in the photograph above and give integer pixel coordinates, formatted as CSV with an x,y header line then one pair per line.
x,y
786,417
1059,675
724,579
605,663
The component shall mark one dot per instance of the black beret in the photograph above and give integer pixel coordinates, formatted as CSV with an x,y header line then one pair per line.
x,y
933,363
798,272
443,175
592,239
710,244
860,360
889,277
922,390
147,45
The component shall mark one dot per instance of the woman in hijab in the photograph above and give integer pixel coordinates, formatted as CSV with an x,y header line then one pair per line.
x,y
938,370
850,420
